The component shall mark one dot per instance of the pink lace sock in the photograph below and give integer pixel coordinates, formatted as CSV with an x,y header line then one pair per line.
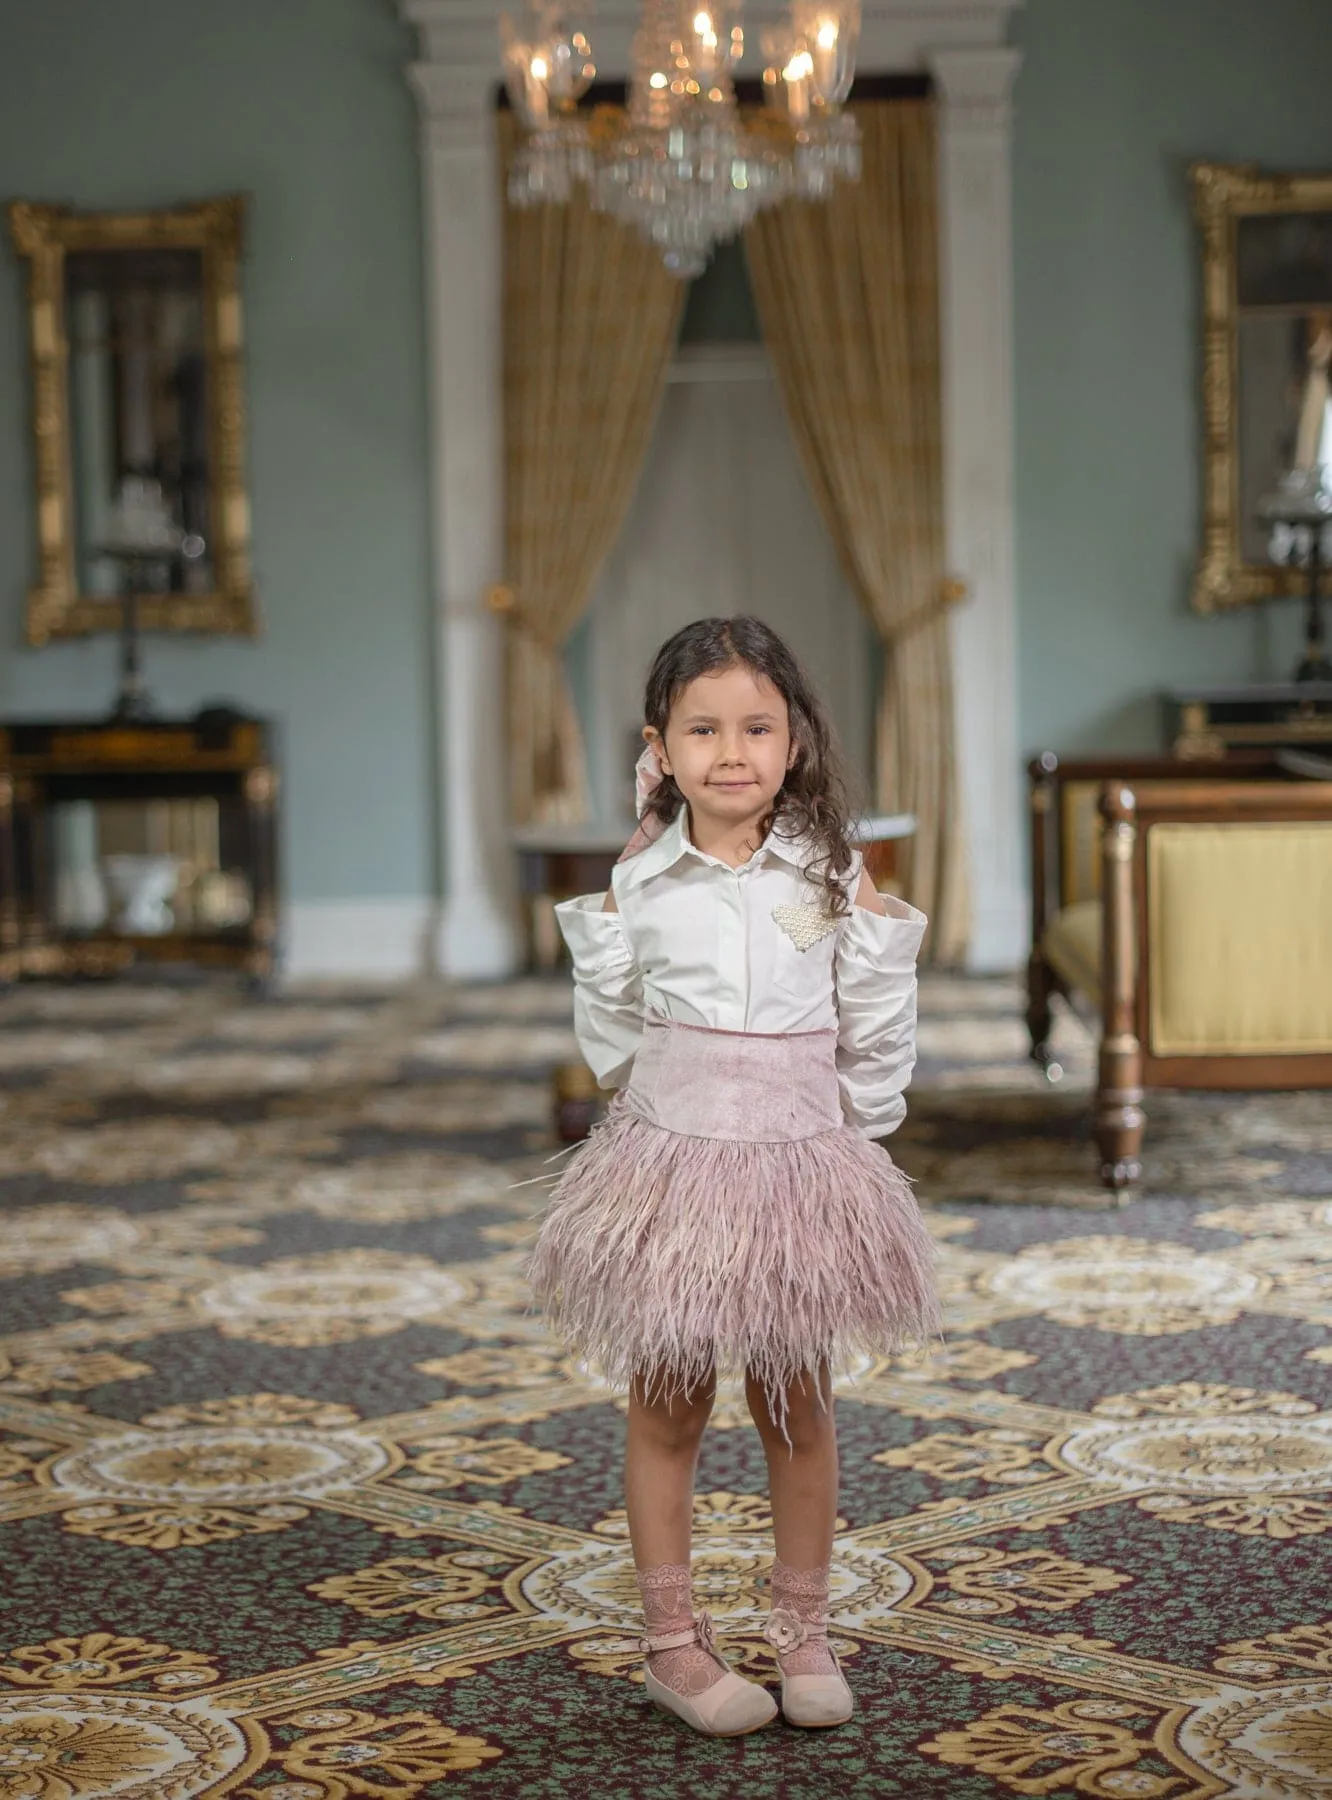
x,y
668,1607
799,1619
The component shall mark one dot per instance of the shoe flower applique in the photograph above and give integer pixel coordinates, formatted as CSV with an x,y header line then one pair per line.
x,y
785,1631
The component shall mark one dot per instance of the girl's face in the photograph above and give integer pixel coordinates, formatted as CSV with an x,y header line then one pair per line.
x,y
728,744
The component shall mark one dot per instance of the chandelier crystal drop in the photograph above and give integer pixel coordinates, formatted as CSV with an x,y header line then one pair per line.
x,y
683,166
547,68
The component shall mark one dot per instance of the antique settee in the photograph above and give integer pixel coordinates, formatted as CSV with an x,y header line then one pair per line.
x,y
1188,907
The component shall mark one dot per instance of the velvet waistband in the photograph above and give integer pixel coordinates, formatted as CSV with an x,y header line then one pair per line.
x,y
746,1086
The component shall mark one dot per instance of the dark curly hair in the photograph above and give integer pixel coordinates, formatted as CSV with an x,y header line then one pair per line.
x,y
813,799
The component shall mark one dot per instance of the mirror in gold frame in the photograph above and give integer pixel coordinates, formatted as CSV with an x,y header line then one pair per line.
x,y
1267,334
137,383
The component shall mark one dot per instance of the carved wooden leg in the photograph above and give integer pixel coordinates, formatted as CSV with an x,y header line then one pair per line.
x,y
577,1102
1120,1119
260,789
1041,772
9,902
1038,1012
1119,1115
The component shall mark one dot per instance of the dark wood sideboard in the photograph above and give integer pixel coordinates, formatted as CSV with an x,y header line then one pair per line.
x,y
219,765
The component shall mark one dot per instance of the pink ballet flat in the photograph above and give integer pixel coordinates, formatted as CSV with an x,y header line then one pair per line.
x,y
810,1701
731,1707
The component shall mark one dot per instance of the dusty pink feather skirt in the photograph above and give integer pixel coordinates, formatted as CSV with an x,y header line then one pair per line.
x,y
724,1216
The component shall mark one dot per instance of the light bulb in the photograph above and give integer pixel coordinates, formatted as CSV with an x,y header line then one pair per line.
x,y
823,63
796,75
704,57
830,30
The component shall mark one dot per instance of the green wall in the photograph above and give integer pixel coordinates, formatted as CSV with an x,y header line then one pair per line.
x,y
1113,102
301,104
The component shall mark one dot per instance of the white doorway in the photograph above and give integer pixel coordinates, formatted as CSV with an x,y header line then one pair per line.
x,y
722,523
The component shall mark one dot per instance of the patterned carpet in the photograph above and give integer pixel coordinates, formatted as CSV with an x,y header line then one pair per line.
x,y
297,1504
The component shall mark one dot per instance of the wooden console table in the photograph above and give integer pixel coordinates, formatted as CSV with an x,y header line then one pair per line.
x,y
219,757
1213,722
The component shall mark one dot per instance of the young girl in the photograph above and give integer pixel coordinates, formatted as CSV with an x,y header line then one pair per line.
x,y
753,999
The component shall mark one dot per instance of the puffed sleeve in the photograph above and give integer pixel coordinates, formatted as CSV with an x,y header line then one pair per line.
x,y
875,973
608,993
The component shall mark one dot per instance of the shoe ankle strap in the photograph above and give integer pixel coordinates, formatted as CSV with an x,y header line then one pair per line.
x,y
673,1640
700,1632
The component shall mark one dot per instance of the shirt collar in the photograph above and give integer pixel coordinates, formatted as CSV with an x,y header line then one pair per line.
x,y
789,845
664,852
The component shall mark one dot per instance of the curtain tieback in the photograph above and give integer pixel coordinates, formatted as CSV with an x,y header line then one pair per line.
x,y
504,600
949,592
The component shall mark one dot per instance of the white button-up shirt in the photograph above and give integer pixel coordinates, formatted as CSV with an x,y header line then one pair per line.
x,y
747,949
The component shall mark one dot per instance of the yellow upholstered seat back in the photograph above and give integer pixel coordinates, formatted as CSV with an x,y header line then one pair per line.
x,y
1239,920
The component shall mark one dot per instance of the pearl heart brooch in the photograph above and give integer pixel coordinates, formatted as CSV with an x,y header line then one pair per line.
x,y
804,925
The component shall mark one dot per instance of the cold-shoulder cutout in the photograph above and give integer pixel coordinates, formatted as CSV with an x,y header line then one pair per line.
x,y
868,897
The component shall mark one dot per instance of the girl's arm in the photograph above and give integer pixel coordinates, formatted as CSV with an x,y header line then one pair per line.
x,y
608,990
875,974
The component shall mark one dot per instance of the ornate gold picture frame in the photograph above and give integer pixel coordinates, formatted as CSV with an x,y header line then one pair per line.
x,y
52,239
1253,293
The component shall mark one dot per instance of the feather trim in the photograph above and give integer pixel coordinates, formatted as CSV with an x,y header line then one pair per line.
x,y
667,1256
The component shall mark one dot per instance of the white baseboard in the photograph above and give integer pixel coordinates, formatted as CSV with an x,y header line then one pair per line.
x,y
475,940
352,940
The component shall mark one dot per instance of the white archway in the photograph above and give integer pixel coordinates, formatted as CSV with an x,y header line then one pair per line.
x,y
961,44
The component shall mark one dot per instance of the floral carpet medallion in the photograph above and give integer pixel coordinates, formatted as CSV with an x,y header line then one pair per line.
x,y
299,1502
69,1747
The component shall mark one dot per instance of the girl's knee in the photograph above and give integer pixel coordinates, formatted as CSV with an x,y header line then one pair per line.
x,y
808,1419
671,1421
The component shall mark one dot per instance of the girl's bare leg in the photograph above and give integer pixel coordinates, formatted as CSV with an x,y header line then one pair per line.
x,y
802,1476
661,1455
802,1481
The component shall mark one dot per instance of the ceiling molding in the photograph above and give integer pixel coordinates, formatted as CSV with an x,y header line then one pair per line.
x,y
895,34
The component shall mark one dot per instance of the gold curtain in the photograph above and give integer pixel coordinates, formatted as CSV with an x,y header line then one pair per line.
x,y
591,320
848,296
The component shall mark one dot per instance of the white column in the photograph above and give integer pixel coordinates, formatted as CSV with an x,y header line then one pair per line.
x,y
476,931
975,193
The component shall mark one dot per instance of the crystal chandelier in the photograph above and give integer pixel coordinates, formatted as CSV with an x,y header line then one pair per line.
x,y
683,167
